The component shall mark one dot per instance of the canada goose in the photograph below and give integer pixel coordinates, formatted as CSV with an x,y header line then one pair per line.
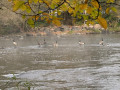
x,y
55,44
2,47
21,38
81,43
101,42
39,44
14,43
44,42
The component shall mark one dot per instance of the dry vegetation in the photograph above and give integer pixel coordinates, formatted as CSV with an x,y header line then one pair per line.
x,y
9,21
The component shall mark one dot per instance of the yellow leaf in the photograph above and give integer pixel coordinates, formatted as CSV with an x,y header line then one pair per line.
x,y
95,3
52,6
58,12
47,18
110,1
46,2
107,10
89,10
15,1
28,9
23,7
114,9
37,17
42,18
17,5
30,1
70,10
9,0
46,14
35,1
77,8
30,22
40,1
74,20
64,7
102,22
55,1
89,22
56,22
111,8
100,8
86,1
83,6
23,16
59,18
40,12
49,21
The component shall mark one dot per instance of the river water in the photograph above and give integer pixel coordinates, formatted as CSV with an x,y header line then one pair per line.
x,y
69,66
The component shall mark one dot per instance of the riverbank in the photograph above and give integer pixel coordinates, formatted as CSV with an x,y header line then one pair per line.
x,y
65,30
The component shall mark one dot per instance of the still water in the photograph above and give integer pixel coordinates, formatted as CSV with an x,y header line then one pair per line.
x,y
66,67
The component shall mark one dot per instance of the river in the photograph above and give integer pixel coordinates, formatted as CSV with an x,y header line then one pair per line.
x,y
69,66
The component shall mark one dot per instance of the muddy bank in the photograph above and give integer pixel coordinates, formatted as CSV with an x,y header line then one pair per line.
x,y
63,30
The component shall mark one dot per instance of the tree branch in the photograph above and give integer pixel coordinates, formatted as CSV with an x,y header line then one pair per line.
x,y
115,3
70,5
30,7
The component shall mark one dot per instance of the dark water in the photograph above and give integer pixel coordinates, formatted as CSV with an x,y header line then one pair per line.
x,y
66,67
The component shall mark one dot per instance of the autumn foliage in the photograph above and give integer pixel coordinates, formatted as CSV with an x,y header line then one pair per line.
x,y
49,10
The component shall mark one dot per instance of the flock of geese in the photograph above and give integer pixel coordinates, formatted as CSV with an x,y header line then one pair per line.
x,y
45,43
55,44
39,44
100,43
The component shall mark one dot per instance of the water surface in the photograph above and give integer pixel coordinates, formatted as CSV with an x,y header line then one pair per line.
x,y
66,67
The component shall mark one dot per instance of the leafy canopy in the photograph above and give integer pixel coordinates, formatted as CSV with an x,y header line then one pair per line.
x,y
49,10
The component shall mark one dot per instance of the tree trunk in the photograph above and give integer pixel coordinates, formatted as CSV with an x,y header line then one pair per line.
x,y
67,19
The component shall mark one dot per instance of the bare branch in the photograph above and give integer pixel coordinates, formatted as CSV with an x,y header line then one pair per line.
x,y
30,7
115,3
70,5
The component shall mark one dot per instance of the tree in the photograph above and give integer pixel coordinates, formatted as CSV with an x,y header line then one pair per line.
x,y
49,10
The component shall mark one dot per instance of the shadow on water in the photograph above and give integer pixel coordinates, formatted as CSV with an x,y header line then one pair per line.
x,y
69,66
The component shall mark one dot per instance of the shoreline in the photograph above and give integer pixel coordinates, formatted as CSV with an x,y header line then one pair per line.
x,y
63,30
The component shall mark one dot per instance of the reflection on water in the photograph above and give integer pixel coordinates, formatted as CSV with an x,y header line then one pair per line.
x,y
66,67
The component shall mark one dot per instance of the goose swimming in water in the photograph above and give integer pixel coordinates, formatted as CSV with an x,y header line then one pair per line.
x,y
81,43
44,42
55,44
14,43
2,47
39,44
101,42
